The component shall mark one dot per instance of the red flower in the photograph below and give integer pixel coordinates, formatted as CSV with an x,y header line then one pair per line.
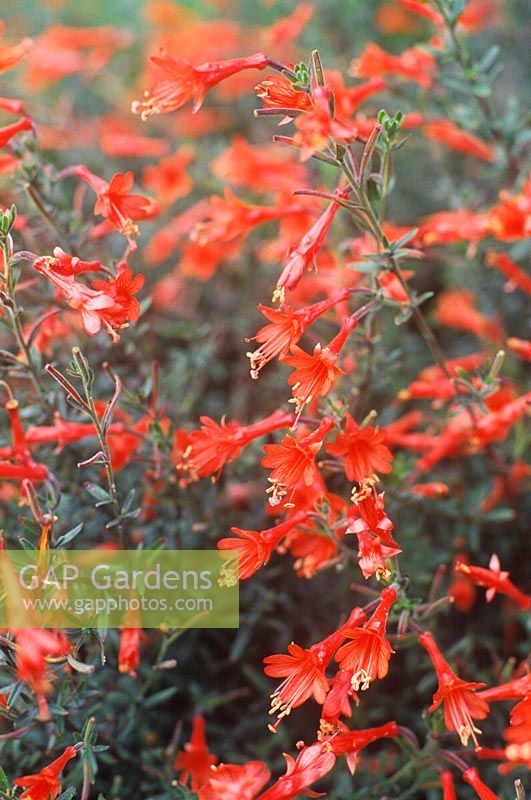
x,y
337,702
461,705
456,309
9,131
303,256
214,445
285,328
514,274
121,290
423,10
115,200
364,451
21,465
64,264
315,374
471,776
293,460
11,55
495,581
168,177
369,651
129,654
45,785
304,670
235,781
185,82
228,217
194,762
449,135
447,783
259,168
312,763
520,347
255,547
316,126
277,91
349,743
414,64
34,645
372,554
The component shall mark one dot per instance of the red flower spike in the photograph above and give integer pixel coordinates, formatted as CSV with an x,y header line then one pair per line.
x,y
349,743
461,705
495,581
293,460
368,652
185,82
45,785
471,777
285,328
194,762
255,547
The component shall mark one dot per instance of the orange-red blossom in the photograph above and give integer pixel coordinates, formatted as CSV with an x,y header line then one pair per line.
x,y
184,82
368,652
293,460
46,784
461,706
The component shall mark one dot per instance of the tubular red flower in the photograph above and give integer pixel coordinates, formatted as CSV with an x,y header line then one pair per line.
x,y
349,743
447,783
369,651
185,82
303,256
9,131
304,670
461,705
495,581
315,374
293,460
194,762
45,785
471,777
363,449
285,328
312,763
255,547
235,781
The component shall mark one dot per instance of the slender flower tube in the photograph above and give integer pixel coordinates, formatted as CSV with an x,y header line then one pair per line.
x,y
471,777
